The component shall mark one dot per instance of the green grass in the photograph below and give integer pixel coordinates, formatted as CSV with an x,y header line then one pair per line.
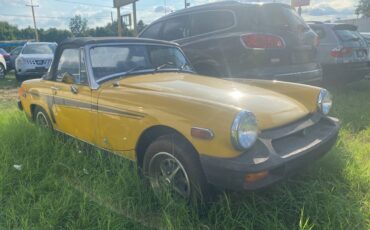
x,y
66,185
8,82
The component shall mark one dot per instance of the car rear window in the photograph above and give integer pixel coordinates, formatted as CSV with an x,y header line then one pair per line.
x,y
282,18
211,21
348,35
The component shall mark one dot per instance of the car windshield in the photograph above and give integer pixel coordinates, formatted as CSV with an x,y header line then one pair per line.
x,y
2,51
39,49
118,60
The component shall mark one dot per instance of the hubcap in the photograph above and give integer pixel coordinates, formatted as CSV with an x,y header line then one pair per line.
x,y
167,173
41,120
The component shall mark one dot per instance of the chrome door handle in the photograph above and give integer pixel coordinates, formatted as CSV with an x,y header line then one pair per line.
x,y
74,89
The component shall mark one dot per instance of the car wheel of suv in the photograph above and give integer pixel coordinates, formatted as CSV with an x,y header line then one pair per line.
x,y
41,118
172,166
2,71
18,78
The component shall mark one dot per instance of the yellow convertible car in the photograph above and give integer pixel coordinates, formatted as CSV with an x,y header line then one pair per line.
x,y
140,99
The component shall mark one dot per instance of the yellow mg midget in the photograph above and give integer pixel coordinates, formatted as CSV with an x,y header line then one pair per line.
x,y
140,99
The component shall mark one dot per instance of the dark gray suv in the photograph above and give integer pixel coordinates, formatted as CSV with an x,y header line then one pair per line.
x,y
243,40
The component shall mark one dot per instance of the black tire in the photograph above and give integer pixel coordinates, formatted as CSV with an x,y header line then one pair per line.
x,y
2,71
18,78
177,148
42,119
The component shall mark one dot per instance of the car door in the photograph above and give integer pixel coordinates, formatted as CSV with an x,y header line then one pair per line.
x,y
73,99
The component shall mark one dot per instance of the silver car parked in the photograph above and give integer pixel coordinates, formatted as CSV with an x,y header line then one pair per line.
x,y
343,52
34,60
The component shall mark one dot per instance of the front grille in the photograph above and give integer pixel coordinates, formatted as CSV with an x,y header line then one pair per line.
x,y
38,62
294,143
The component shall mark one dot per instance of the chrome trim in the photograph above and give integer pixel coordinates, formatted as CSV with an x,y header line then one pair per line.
x,y
209,131
235,129
298,73
322,95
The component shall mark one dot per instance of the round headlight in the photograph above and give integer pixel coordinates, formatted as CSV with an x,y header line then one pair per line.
x,y
324,102
244,131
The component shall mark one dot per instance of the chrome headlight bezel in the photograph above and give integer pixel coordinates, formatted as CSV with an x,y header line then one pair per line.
x,y
324,102
244,130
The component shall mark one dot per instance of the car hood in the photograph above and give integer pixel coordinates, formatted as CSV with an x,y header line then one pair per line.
x,y
272,109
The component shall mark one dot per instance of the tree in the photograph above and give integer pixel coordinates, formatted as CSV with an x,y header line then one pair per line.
x,y
78,26
140,26
363,8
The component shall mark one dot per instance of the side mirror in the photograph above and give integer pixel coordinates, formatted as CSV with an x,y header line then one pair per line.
x,y
68,78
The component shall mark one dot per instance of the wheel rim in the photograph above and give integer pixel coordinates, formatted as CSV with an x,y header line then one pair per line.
x,y
2,71
41,120
166,173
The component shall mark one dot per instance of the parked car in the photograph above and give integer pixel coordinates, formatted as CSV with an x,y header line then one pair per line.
x,y
6,56
343,52
34,60
3,67
243,40
13,56
367,37
140,99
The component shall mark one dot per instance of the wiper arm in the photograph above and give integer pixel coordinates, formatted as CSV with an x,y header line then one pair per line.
x,y
156,69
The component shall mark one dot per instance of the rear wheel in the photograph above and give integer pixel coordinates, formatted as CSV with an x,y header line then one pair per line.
x,y
172,166
42,119
2,71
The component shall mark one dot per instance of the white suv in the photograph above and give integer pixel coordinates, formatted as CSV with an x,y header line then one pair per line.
x,y
34,59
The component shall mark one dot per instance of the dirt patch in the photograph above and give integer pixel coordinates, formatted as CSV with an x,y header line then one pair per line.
x,y
8,94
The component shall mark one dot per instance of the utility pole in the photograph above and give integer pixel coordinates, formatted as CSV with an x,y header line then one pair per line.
x,y
134,15
111,17
119,20
34,19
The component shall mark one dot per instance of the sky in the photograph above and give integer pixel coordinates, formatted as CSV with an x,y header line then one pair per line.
x,y
56,13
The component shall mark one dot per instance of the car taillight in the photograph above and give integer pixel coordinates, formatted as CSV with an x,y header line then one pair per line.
x,y
341,52
262,41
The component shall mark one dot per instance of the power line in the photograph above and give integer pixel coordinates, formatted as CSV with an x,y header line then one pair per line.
x,y
48,17
83,3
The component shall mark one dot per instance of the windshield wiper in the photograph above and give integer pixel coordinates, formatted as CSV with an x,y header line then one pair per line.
x,y
156,69
171,64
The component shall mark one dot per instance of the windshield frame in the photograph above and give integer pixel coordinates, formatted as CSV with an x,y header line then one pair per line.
x,y
96,83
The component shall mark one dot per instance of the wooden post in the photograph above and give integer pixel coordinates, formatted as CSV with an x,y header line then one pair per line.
x,y
134,16
119,21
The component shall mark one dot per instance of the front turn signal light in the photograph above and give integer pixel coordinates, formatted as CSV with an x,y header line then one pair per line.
x,y
253,177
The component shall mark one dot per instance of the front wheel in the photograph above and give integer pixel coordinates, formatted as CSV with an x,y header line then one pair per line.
x,y
42,119
172,166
